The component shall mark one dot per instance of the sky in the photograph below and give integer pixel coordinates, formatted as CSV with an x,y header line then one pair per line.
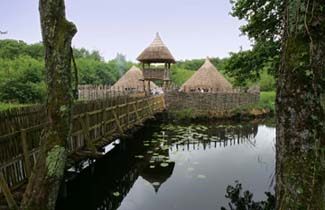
x,y
190,28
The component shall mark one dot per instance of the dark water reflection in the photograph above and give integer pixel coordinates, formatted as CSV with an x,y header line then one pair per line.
x,y
177,167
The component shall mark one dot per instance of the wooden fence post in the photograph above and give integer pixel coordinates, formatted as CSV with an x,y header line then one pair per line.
x,y
6,191
136,110
118,123
28,168
149,105
85,129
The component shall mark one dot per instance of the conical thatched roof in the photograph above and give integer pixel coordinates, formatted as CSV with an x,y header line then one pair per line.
x,y
131,80
157,52
207,79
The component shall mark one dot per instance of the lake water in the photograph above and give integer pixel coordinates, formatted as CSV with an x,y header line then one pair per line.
x,y
180,167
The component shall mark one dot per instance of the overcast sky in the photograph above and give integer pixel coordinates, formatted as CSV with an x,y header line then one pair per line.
x,y
190,28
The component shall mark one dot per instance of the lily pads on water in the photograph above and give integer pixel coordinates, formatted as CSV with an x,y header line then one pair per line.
x,y
165,148
200,176
152,166
116,194
164,165
155,183
139,156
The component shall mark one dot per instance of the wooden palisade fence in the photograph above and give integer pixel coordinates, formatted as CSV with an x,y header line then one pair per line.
x,y
95,124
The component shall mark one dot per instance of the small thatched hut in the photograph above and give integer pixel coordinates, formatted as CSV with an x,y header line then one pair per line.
x,y
207,79
132,81
157,52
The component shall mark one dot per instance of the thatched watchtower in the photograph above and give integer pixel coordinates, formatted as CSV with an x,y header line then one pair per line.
x,y
156,53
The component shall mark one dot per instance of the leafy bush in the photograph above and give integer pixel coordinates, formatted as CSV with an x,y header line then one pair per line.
x,y
20,92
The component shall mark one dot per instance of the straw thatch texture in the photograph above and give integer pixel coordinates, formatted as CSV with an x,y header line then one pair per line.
x,y
207,79
157,52
131,81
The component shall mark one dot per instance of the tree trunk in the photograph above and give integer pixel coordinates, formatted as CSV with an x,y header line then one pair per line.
x,y
300,116
57,32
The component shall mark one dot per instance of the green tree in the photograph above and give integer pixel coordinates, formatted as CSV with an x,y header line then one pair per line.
x,y
57,32
264,27
300,142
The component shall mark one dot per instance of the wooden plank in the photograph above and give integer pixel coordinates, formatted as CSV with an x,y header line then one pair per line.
x,y
118,122
136,112
28,168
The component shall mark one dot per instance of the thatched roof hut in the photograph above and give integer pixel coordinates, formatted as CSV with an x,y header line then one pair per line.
x,y
157,52
132,81
207,79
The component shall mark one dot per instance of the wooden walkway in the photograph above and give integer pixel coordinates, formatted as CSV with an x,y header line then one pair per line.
x,y
95,124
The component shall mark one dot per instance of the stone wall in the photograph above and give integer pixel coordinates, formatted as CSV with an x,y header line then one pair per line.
x,y
209,102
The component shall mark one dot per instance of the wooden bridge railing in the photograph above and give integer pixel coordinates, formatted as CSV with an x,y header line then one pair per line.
x,y
95,124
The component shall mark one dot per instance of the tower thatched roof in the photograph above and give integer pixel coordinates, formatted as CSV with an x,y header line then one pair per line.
x,y
207,79
157,52
131,80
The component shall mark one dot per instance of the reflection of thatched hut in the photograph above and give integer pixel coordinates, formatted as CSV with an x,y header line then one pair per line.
x,y
158,175
131,81
207,79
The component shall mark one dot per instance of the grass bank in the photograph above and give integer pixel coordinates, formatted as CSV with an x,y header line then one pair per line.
x,y
267,102
7,106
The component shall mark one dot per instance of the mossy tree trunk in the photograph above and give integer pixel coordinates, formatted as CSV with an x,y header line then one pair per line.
x,y
300,116
57,32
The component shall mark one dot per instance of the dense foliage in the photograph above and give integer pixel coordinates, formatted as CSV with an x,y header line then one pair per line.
x,y
264,27
22,76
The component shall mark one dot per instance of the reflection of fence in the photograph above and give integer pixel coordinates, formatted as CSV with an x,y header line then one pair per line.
x,y
95,123
217,137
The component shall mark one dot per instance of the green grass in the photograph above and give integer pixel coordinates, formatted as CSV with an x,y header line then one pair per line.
x,y
7,106
267,101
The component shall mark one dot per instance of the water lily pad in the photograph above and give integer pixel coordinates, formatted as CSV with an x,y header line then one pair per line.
x,y
146,145
151,161
155,183
164,165
139,156
165,148
116,194
152,166
200,176
149,152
